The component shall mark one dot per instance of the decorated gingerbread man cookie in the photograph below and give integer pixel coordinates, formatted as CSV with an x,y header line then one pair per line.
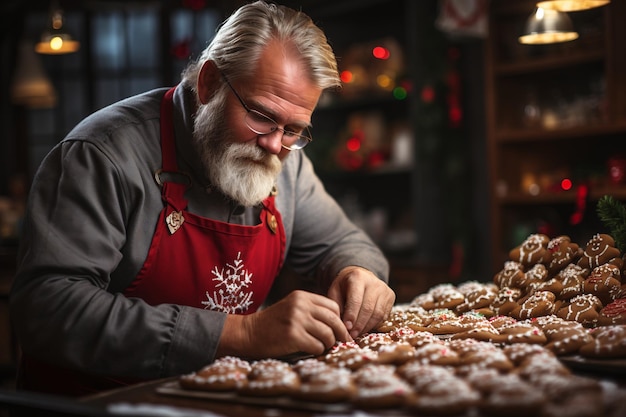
x,y
613,313
532,251
599,250
604,282
562,253
511,276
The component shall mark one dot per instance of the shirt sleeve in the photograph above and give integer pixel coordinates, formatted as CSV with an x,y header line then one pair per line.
x,y
323,240
76,229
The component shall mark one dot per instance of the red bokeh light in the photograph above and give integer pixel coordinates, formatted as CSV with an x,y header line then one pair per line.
x,y
428,94
346,76
566,184
353,144
381,52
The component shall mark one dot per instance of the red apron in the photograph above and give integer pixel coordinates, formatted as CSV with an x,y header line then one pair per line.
x,y
192,261
204,263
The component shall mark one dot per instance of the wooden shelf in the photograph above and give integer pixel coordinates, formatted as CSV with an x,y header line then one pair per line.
x,y
564,197
588,68
537,65
568,133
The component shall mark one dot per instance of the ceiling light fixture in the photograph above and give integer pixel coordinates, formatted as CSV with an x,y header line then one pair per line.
x,y
548,26
571,5
31,87
56,40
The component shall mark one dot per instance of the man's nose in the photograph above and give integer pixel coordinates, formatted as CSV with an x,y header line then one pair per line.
x,y
271,142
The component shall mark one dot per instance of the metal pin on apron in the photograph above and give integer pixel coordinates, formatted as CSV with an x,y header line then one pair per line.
x,y
174,220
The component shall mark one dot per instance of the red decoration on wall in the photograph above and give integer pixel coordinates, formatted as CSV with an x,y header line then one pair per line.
x,y
182,49
581,202
194,4
428,94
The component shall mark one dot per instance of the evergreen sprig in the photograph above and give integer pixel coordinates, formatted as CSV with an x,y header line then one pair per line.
x,y
613,214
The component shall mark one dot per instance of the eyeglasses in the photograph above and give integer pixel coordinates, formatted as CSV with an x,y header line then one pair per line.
x,y
261,124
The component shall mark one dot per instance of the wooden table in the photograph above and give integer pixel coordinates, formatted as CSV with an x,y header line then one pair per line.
x,y
146,393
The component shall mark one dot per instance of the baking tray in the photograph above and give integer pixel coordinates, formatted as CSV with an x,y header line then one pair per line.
x,y
174,388
607,366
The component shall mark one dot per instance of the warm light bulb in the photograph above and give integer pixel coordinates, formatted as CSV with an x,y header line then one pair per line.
x,y
384,81
56,43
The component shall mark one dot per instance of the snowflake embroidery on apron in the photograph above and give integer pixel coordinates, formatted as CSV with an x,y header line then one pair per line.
x,y
230,295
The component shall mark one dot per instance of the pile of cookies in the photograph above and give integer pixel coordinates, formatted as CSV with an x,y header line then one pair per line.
x,y
480,349
423,375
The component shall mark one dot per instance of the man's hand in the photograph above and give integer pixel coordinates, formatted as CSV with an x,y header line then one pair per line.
x,y
365,300
300,322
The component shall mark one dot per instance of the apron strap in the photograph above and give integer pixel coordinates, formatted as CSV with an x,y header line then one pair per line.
x,y
168,147
173,192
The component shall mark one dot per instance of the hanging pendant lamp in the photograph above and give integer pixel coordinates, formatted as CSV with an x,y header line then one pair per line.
x,y
56,40
548,26
571,5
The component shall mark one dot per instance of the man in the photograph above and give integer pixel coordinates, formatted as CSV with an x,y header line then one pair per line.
x,y
155,230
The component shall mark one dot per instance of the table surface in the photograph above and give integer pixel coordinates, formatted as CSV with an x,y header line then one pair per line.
x,y
146,393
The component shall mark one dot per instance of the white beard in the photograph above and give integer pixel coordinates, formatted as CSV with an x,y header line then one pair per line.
x,y
242,171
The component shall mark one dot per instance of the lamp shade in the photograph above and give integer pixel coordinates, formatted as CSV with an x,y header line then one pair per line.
x,y
548,26
56,40
571,5
31,87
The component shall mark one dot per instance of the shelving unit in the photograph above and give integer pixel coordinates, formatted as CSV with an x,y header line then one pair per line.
x,y
367,183
554,112
398,194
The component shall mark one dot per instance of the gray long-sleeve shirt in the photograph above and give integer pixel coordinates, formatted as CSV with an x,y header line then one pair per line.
x,y
93,206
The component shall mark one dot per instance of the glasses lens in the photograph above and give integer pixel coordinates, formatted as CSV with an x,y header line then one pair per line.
x,y
295,141
260,123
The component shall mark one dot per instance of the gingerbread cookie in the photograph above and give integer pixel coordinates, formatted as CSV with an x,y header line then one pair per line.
x,y
395,353
541,303
563,252
436,354
567,339
572,277
569,395
449,396
506,301
541,364
479,298
536,274
584,308
349,355
510,276
416,318
518,352
604,282
419,339
532,251
608,342
379,387
332,385
600,249
224,374
271,377
442,296
613,313
510,395
522,332
419,374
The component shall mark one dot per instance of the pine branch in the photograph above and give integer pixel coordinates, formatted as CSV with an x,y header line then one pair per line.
x,y
613,214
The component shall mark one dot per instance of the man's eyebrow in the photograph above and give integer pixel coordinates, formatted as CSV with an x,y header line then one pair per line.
x,y
255,105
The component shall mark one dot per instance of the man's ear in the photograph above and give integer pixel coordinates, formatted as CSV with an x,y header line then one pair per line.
x,y
208,81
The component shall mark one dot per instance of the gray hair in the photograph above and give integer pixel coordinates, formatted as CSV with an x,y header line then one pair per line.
x,y
240,39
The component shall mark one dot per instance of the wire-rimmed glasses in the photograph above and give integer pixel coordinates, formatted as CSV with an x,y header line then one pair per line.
x,y
262,124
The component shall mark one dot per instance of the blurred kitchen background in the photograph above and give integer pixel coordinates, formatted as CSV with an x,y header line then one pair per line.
x,y
451,141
